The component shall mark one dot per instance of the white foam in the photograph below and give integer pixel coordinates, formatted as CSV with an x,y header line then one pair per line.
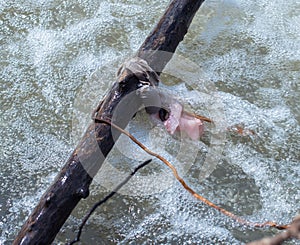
x,y
248,50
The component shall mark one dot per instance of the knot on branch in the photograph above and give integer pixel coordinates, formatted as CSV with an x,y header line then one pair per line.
x,y
135,72
140,69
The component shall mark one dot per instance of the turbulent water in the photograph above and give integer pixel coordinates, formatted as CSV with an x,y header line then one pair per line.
x,y
239,64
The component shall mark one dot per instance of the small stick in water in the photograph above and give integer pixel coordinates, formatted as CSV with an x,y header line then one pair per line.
x,y
111,194
202,118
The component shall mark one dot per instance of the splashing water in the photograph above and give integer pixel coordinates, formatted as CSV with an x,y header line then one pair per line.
x,y
59,58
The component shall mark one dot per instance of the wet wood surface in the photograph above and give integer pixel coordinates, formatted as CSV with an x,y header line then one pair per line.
x,y
73,181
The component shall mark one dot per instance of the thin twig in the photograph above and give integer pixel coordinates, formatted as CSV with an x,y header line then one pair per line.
x,y
96,205
202,118
293,232
189,189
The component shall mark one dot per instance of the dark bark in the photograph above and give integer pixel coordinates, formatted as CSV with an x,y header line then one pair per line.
x,y
162,42
72,183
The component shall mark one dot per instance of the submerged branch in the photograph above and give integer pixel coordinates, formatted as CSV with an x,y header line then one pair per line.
x,y
111,194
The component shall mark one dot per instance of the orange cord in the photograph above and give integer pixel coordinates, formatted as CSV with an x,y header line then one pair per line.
x,y
202,118
189,189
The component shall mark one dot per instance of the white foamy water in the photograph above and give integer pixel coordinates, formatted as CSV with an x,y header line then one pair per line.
x,y
242,68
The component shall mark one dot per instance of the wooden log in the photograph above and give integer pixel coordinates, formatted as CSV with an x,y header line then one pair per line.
x,y
162,42
73,181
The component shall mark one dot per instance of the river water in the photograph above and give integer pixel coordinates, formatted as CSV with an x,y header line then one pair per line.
x,y
239,64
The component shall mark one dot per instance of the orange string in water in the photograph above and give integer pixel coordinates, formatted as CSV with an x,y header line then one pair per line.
x,y
189,189
202,118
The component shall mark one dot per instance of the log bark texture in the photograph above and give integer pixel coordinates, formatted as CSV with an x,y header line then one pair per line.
x,y
168,33
73,181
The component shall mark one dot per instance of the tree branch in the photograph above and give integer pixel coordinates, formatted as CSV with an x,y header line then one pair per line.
x,y
73,181
293,231
110,195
